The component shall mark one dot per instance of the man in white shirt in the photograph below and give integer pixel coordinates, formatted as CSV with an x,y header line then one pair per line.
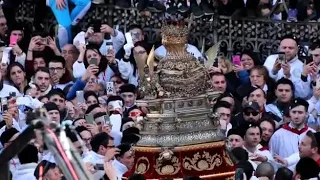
x,y
309,147
285,141
101,143
124,160
291,67
252,145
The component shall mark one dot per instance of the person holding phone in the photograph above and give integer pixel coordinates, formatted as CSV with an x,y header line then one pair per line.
x,y
248,60
107,66
291,68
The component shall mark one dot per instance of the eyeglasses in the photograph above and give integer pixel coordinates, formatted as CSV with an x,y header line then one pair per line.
x,y
254,113
55,69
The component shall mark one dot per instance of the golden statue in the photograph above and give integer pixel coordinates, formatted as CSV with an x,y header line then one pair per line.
x,y
180,135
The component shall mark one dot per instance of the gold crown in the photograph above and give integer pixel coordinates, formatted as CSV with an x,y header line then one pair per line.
x,y
174,34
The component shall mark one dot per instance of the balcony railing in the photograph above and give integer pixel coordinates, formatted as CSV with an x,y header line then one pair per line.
x,y
259,35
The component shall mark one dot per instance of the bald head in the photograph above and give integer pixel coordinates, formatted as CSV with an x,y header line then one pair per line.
x,y
265,169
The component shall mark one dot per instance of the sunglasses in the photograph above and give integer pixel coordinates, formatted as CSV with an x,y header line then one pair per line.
x,y
254,113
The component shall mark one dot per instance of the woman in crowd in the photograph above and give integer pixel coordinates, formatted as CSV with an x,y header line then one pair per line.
x,y
259,77
91,98
17,76
106,66
248,60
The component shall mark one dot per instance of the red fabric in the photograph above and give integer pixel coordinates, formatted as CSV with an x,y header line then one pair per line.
x,y
294,130
65,78
264,148
116,112
318,161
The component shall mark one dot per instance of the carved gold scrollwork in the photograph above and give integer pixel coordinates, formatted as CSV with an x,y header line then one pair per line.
x,y
227,159
202,162
170,167
142,165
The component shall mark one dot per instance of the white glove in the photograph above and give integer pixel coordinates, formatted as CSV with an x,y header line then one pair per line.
x,y
127,49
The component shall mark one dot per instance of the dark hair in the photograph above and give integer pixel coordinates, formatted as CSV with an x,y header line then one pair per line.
x,y
74,121
314,45
103,61
135,26
307,168
71,135
42,97
252,55
221,104
92,107
247,168
287,82
80,129
58,92
216,74
253,125
240,154
314,143
268,119
283,173
87,94
10,67
42,69
29,154
100,139
58,59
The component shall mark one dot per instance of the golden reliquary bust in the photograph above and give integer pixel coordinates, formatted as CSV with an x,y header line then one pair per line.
x,y
179,73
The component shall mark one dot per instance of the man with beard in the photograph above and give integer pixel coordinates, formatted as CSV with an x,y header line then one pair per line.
x,y
42,80
267,126
285,141
290,68
309,147
251,114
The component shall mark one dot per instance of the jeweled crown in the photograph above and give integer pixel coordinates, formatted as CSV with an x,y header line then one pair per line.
x,y
174,33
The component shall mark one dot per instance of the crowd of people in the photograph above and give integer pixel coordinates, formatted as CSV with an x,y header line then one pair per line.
x,y
90,80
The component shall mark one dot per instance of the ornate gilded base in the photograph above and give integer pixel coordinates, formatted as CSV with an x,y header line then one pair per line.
x,y
209,160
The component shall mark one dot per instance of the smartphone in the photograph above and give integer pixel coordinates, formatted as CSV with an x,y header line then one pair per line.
x,y
281,57
236,60
5,55
239,174
12,94
109,48
318,83
110,88
4,104
107,120
89,118
97,26
13,39
129,38
80,97
309,59
135,36
215,62
93,61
